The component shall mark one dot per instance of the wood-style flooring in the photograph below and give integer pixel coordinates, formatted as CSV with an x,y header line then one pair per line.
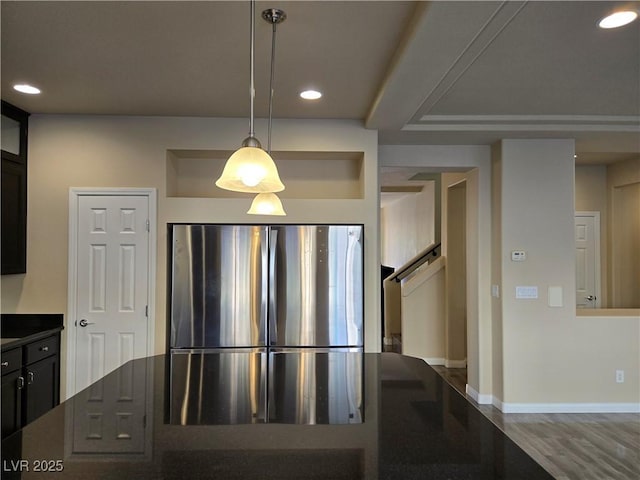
x,y
581,446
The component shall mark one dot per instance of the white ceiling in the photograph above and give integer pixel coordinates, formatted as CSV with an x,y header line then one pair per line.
x,y
444,72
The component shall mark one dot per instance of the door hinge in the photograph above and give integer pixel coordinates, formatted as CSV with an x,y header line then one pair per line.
x,y
148,226
146,311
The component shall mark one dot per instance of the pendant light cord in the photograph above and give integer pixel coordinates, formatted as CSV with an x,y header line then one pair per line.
x,y
273,58
252,92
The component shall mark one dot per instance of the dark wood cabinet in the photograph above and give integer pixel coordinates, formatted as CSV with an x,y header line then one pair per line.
x,y
13,244
11,403
42,388
12,387
30,382
14,217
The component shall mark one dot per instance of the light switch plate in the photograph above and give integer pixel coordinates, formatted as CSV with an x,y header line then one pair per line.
x,y
524,292
555,297
518,256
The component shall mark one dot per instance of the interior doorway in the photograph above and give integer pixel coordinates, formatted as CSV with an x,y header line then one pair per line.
x,y
456,253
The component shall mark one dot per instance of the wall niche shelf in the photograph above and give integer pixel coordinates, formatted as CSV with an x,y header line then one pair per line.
x,y
306,175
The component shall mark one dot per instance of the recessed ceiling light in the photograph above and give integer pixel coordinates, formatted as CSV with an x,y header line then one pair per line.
x,y
311,94
618,19
25,88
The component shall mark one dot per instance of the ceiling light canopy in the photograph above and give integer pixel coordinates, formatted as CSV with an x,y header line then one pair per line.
x,y
26,88
618,19
311,94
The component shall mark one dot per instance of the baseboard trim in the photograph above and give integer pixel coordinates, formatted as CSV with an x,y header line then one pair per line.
x,y
567,407
483,399
434,360
456,363
480,398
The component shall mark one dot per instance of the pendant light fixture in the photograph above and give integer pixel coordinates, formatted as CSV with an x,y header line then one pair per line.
x,y
266,204
269,203
250,168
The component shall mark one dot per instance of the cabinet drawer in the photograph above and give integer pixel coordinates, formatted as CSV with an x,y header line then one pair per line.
x,y
41,349
11,360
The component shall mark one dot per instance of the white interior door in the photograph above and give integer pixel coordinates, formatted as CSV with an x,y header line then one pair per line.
x,y
587,235
112,284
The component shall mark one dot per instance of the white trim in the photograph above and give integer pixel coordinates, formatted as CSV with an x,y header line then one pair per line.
x,y
480,398
455,363
433,360
571,119
510,127
569,407
74,194
496,402
596,242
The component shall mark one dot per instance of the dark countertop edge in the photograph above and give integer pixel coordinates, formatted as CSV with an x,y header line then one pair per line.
x,y
30,337
9,322
28,327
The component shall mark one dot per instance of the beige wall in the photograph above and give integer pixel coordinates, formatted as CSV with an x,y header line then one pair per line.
x,y
537,217
456,254
549,355
591,189
496,272
407,227
424,313
110,151
623,274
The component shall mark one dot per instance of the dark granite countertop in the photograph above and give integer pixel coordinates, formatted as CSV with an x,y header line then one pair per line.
x,y
19,329
414,426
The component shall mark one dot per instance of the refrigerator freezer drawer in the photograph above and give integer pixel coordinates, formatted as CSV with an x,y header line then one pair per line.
x,y
218,387
218,286
316,292
316,386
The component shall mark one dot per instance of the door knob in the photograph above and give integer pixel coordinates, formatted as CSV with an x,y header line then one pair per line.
x,y
591,298
84,323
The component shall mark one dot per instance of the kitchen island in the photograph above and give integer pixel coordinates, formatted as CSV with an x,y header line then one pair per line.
x,y
129,425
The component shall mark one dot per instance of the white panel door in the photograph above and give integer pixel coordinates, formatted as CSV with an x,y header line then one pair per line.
x,y
587,233
112,284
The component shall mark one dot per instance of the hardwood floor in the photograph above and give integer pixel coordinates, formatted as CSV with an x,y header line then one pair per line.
x,y
581,446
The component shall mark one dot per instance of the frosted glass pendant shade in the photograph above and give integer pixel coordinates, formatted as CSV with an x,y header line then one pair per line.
x,y
250,169
266,204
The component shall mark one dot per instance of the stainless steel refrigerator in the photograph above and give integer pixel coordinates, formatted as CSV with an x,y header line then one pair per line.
x,y
275,313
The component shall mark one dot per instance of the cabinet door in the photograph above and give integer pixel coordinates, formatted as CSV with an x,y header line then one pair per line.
x,y
11,402
42,389
14,217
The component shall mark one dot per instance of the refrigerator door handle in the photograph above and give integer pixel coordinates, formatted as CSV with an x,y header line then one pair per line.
x,y
264,299
272,311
